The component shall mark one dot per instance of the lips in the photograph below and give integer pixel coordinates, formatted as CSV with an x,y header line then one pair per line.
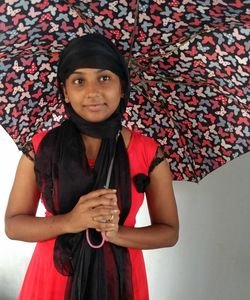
x,y
94,107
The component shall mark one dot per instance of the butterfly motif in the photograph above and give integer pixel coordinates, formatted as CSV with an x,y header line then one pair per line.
x,y
51,76
42,5
3,99
242,61
231,59
25,95
10,1
16,67
139,124
185,57
99,20
4,20
33,77
230,38
22,28
158,118
57,118
113,6
9,107
32,69
12,12
45,66
246,131
224,63
229,70
222,111
143,16
55,27
201,57
16,114
24,118
238,130
241,49
31,22
45,17
219,51
17,89
33,14
63,17
26,61
238,147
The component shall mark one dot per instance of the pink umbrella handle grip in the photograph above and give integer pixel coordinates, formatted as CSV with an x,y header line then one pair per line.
x,y
92,245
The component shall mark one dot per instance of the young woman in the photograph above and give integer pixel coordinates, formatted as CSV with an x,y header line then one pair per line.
x,y
91,174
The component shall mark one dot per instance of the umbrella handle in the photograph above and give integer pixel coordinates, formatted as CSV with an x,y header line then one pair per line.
x,y
90,243
106,186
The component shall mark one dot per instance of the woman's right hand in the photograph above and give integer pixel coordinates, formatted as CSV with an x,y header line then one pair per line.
x,y
93,210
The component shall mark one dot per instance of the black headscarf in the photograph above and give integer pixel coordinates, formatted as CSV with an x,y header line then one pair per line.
x,y
63,175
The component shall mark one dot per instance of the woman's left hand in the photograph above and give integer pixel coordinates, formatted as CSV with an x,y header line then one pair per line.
x,y
112,233
114,219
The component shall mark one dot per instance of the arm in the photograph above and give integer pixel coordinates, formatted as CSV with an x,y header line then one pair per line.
x,y
164,228
22,224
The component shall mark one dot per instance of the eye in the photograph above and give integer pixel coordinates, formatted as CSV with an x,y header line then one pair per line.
x,y
105,78
78,81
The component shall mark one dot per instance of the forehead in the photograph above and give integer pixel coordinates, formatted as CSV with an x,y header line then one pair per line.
x,y
92,71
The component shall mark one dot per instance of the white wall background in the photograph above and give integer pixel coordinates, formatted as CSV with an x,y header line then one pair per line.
x,y
212,258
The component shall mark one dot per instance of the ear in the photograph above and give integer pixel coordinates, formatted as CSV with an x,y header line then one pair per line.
x,y
66,98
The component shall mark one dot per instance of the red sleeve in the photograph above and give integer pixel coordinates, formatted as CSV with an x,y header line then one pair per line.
x,y
142,150
37,138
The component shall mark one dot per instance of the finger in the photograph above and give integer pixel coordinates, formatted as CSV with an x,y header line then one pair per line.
x,y
110,196
104,213
98,193
104,226
98,202
112,218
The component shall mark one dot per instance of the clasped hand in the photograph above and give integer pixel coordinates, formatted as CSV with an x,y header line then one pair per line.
x,y
98,210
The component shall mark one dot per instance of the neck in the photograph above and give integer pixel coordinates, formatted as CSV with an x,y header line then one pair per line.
x,y
92,146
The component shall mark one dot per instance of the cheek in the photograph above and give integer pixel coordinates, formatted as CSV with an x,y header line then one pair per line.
x,y
73,96
117,93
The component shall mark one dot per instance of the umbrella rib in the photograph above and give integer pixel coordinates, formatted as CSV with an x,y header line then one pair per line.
x,y
200,83
136,17
182,41
80,15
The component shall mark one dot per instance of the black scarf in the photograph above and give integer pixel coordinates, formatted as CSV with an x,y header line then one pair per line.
x,y
63,175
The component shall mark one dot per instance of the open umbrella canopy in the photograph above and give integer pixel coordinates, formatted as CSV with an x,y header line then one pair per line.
x,y
188,61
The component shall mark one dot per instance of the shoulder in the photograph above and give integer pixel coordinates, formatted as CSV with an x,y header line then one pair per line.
x,y
141,149
146,140
142,142
138,138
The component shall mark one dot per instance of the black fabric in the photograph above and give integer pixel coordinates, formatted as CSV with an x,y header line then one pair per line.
x,y
104,129
63,175
28,150
158,158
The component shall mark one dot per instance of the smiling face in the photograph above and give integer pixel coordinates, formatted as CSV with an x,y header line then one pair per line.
x,y
94,94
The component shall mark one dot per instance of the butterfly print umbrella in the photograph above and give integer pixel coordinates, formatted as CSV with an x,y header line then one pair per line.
x,y
188,61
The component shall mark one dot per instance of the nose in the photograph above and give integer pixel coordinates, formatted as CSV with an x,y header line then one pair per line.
x,y
91,89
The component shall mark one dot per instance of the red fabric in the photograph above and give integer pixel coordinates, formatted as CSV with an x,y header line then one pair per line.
x,y
43,282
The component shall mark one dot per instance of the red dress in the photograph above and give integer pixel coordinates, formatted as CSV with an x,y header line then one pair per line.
x,y
43,282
